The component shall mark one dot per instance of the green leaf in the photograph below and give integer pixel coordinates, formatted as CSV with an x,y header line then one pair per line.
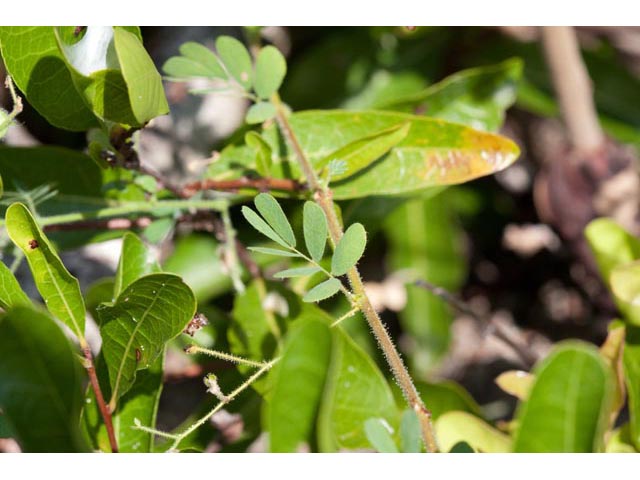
x,y
631,362
324,290
362,152
271,67
446,396
625,285
236,59
196,260
139,403
297,272
379,436
44,77
272,212
100,291
59,289
611,245
144,83
455,427
196,61
315,230
434,152
349,249
462,447
263,156
410,434
273,251
355,391
95,72
11,294
146,315
297,381
568,406
477,97
260,112
426,242
136,260
260,225
41,383
76,178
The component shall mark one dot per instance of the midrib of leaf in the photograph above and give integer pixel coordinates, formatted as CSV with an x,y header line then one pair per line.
x,y
571,403
78,332
114,396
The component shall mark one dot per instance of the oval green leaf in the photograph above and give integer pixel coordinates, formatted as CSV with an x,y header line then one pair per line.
x,y
59,289
196,61
271,67
355,391
41,383
349,249
434,152
324,290
625,285
297,272
236,60
136,260
148,313
144,83
260,112
272,212
11,294
315,230
568,405
297,381
379,435
631,362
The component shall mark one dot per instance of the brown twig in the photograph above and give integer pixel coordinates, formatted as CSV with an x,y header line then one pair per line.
x,y
573,89
490,326
104,410
261,184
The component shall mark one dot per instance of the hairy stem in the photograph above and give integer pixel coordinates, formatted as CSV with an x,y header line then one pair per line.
x,y
324,199
95,386
193,349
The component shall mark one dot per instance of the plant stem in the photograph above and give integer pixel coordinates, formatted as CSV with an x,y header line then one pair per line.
x,y
218,407
128,209
95,386
191,349
231,253
262,184
324,199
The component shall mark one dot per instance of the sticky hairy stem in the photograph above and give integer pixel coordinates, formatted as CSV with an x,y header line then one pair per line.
x,y
323,198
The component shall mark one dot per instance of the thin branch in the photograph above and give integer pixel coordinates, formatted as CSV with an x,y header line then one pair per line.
x,y
494,328
323,198
261,184
573,88
193,349
110,224
95,386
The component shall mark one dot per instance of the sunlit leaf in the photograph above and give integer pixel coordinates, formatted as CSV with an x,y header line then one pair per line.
x,y
236,59
263,156
322,291
59,289
135,328
379,436
516,383
631,361
349,249
136,260
273,251
433,153
315,230
355,391
297,272
260,112
568,405
196,61
11,294
625,285
272,212
271,67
